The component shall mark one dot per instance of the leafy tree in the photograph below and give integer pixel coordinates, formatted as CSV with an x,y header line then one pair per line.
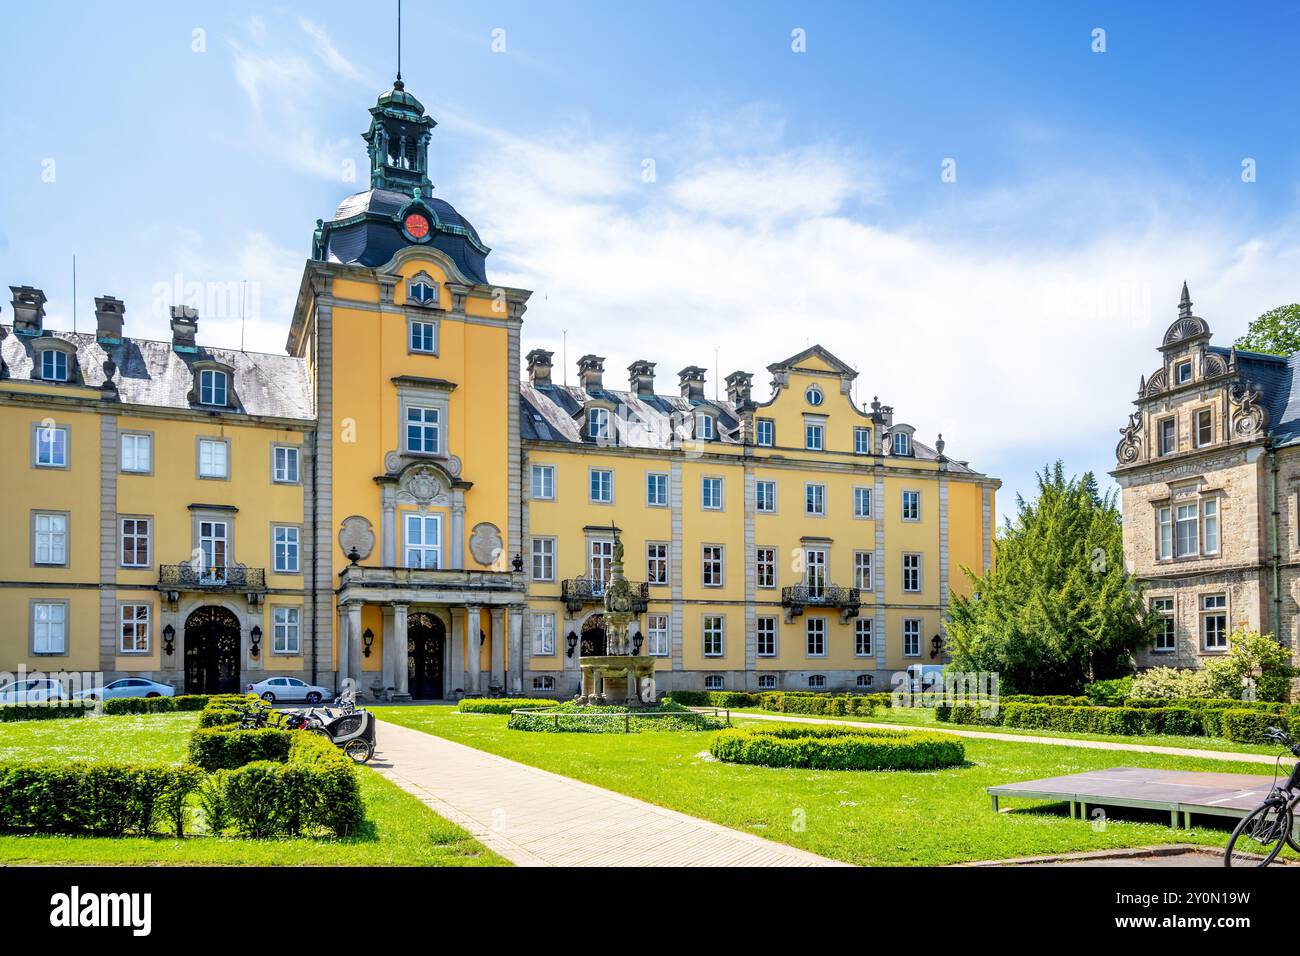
x,y
1255,656
1057,609
1277,331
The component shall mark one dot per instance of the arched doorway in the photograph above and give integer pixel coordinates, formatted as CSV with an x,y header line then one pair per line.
x,y
593,636
426,640
212,651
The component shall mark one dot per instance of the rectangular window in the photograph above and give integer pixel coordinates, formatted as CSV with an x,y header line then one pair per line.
x,y
656,563
133,620
765,496
767,682
711,494
1168,436
543,633
135,542
1165,630
214,537
1210,515
50,627
765,432
703,426
54,365
51,538
285,549
815,560
543,482
598,424
1186,538
284,467
1184,372
862,502
862,637
1214,622
911,506
713,632
814,500
423,545
912,573
212,387
214,458
714,682
657,635
765,636
1164,533
51,446
424,336
815,630
286,630
862,441
423,426
862,563
656,489
543,559
765,562
600,563
1204,428
137,453
814,436
902,444
712,565
911,637
602,486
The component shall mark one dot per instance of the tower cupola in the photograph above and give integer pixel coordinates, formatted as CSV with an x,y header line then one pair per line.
x,y
398,142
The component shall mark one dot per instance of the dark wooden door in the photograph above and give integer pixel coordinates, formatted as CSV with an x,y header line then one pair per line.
x,y
426,641
212,652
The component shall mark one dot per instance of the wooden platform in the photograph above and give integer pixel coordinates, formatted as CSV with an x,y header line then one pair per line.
x,y
1178,791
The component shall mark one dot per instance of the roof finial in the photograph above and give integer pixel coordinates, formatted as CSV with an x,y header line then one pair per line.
x,y
1185,303
397,83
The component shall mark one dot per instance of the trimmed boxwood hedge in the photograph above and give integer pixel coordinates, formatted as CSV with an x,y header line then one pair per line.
x,y
500,705
54,710
838,748
828,705
225,748
155,705
100,798
569,717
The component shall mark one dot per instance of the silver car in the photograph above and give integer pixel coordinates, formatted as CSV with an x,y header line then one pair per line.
x,y
126,687
275,689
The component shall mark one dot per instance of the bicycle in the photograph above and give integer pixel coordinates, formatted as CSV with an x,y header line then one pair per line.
x,y
1258,837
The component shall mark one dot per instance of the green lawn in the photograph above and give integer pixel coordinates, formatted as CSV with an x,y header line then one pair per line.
x,y
399,830
862,817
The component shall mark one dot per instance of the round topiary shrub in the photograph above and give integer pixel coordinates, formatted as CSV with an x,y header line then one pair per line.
x,y
572,718
838,748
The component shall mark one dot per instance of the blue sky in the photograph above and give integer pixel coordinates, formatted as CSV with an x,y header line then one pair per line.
x,y
796,197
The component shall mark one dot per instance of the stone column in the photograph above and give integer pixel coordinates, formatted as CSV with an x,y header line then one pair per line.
x,y
389,650
498,638
388,528
354,644
473,649
343,656
516,650
401,683
458,535
456,679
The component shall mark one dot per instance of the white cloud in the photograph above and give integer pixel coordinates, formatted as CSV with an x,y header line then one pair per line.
x,y
329,53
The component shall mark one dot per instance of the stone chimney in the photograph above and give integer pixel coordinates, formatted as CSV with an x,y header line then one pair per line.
x,y
692,382
739,390
108,318
185,326
539,366
29,309
591,372
641,378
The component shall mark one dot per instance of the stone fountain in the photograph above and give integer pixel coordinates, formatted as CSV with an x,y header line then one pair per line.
x,y
620,676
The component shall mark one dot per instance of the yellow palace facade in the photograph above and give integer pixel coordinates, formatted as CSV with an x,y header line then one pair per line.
x,y
405,501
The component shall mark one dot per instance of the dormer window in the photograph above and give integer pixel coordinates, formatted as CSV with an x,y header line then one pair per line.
x,y
813,395
54,365
598,424
213,387
1183,373
902,444
704,426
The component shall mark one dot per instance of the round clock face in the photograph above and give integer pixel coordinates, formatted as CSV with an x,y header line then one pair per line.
x,y
416,226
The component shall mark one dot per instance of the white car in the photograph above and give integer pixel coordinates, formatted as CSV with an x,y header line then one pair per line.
x,y
34,690
288,688
126,687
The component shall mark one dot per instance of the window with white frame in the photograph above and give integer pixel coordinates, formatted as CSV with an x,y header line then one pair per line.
x,y
1183,373
284,468
135,542
1210,522
1204,427
422,292
765,496
54,365
544,682
912,573
51,446
764,432
423,541
864,680
544,633
1164,533
1168,432
214,458
816,681
902,444
765,636
1214,622
424,336
815,633
656,489
50,627
543,559
911,637
543,482
600,562
711,493
714,634
815,574
813,395
703,426
286,630
423,429
765,565
137,453
602,486
657,635
814,499
133,628
862,564
656,563
598,424
767,682
213,385
711,565
1166,630
1186,531
814,436
861,441
862,634
713,682
862,502
285,549
50,531
911,506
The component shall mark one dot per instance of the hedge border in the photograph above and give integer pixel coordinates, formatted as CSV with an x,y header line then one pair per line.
x,y
814,747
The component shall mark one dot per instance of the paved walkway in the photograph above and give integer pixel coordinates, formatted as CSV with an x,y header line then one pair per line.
x,y
536,818
1022,738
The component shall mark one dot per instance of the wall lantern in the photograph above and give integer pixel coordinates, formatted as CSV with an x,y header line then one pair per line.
x,y
572,642
367,641
636,645
255,640
936,645
482,638
169,639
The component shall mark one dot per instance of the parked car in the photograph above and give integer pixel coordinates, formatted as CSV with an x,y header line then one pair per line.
x,y
32,690
288,688
126,687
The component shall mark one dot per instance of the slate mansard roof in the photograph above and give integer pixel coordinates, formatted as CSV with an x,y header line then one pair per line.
x,y
1278,378
155,374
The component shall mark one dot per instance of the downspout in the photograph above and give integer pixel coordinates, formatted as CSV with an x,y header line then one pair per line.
x,y
1276,561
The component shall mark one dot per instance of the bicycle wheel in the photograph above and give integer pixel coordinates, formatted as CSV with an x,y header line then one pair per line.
x,y
1258,837
359,749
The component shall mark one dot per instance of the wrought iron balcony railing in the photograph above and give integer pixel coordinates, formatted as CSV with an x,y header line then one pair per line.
x,y
191,577
848,601
584,592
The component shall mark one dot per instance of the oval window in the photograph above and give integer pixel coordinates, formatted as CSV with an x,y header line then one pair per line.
x,y
813,395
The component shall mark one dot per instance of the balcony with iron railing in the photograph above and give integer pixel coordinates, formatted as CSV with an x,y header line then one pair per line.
x,y
579,593
796,599
173,579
